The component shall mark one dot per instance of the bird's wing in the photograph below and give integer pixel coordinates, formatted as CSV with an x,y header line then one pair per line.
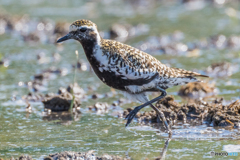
x,y
131,63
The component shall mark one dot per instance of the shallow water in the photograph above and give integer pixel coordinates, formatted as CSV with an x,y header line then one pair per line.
x,y
38,136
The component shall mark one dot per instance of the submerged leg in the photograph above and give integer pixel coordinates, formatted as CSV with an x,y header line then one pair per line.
x,y
162,117
133,113
164,150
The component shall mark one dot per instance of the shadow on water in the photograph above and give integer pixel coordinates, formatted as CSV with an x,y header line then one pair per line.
x,y
64,117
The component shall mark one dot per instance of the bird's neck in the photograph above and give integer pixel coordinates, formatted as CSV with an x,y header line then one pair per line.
x,y
90,45
92,48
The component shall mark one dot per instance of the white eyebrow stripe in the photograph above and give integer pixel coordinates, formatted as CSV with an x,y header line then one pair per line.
x,y
75,28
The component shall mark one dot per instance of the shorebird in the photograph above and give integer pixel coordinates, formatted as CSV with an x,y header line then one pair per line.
x,y
126,68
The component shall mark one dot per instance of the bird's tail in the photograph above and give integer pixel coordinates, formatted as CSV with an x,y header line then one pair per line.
x,y
181,73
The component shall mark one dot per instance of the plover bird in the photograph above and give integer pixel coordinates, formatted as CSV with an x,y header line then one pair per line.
x,y
126,68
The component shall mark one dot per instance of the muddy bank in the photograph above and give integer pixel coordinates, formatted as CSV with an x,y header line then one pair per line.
x,y
214,113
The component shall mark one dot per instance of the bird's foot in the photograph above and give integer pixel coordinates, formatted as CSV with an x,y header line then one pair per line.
x,y
132,114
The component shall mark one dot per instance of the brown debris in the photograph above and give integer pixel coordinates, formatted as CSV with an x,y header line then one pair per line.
x,y
197,90
214,113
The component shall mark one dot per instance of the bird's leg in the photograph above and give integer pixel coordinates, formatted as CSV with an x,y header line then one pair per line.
x,y
164,151
132,114
161,114
162,117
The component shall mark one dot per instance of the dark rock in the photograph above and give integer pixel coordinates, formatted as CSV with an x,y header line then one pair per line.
x,y
61,102
95,96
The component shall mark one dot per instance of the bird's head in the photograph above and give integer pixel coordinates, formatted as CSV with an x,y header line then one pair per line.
x,y
82,30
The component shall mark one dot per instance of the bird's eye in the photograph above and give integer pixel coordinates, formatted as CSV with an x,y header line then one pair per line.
x,y
83,29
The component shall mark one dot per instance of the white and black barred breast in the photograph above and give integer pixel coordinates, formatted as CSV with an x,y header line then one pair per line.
x,y
126,68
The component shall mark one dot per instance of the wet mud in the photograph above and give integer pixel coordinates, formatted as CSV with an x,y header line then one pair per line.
x,y
214,113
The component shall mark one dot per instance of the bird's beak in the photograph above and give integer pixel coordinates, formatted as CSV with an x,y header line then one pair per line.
x,y
67,37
